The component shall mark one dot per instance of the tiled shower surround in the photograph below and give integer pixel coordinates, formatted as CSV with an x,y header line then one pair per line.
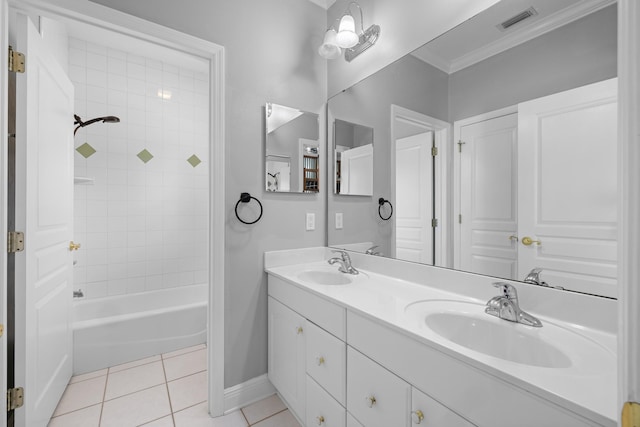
x,y
143,219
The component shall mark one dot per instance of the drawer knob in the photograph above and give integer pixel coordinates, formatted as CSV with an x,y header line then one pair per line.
x,y
299,330
417,416
320,360
370,400
320,420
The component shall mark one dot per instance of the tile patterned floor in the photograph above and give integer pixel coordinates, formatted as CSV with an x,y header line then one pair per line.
x,y
167,390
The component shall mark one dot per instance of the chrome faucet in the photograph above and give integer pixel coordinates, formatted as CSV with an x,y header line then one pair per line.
x,y
505,306
345,262
533,278
78,294
372,251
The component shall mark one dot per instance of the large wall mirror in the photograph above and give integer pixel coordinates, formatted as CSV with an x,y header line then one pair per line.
x,y
496,143
292,152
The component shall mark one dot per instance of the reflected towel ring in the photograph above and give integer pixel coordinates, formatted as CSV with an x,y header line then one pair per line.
x,y
246,198
381,203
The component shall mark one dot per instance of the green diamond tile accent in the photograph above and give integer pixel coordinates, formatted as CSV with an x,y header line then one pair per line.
x,y
86,150
145,156
194,160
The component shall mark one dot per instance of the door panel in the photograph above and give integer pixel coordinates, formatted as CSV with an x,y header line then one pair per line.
x,y
488,197
414,196
568,187
44,208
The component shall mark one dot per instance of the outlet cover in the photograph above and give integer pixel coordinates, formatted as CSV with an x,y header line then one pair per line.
x,y
338,220
311,221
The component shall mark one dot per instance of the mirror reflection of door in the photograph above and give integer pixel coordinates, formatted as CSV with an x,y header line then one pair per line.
x,y
414,198
488,197
353,148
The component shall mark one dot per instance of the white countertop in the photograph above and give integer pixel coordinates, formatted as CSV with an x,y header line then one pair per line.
x,y
588,387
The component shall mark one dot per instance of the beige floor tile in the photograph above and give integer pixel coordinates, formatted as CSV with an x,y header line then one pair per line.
x,y
134,379
88,376
185,364
81,395
87,417
162,422
188,391
282,419
263,408
137,408
183,351
198,416
133,364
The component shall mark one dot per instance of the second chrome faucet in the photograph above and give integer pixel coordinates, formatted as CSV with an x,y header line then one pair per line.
x,y
506,306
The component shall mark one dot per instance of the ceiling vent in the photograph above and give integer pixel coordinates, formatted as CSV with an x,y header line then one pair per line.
x,y
517,18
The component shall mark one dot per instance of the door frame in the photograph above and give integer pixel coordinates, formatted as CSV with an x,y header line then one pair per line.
x,y
101,16
442,194
628,201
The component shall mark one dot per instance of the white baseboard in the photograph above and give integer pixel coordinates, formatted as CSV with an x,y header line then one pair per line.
x,y
246,393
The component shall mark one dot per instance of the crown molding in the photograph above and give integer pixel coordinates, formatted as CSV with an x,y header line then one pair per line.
x,y
541,27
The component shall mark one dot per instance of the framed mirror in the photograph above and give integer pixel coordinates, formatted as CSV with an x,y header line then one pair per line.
x,y
353,154
292,150
538,196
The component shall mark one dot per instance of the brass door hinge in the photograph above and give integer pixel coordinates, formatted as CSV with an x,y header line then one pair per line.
x,y
15,241
15,398
434,151
1,330
631,414
434,222
16,61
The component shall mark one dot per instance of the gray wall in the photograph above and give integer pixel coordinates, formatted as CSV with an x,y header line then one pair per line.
x,y
582,52
409,83
271,55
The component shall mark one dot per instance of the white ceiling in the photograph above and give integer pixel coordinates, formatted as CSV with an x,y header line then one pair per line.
x,y
479,37
325,4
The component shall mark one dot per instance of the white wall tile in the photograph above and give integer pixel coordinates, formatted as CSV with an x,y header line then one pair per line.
x,y
141,225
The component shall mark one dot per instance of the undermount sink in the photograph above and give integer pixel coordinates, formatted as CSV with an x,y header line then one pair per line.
x,y
325,277
467,325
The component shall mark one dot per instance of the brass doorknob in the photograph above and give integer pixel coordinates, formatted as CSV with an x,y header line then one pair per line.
x,y
74,246
320,420
528,241
370,400
299,330
320,360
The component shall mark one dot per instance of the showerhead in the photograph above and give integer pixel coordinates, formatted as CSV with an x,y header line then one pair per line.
x,y
78,121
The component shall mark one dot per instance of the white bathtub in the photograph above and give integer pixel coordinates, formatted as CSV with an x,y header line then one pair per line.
x,y
113,330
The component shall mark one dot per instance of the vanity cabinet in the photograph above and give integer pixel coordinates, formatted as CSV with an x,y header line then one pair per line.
x,y
287,355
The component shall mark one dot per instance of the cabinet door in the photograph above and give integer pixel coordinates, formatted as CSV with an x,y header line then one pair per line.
x,y
287,355
375,396
326,361
427,412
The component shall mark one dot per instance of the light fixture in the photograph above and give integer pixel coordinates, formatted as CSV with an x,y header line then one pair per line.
x,y
347,38
329,48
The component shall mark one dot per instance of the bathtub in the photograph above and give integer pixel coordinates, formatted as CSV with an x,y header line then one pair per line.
x,y
114,330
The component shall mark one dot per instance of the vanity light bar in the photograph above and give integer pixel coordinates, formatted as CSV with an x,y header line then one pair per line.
x,y
367,39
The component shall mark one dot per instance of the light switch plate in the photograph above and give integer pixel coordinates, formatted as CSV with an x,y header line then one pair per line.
x,y
311,221
338,220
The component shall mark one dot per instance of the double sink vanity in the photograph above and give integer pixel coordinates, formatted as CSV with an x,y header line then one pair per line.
x,y
392,343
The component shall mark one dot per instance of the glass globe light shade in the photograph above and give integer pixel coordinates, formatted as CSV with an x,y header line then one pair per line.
x,y
347,36
329,48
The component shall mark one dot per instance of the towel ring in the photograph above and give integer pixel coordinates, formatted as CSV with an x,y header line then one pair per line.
x,y
381,203
246,198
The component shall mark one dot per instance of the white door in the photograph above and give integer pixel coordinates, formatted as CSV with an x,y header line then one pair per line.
x,y
567,157
488,198
414,198
44,209
357,171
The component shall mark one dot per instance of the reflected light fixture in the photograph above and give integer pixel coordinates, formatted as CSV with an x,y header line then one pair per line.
x,y
347,38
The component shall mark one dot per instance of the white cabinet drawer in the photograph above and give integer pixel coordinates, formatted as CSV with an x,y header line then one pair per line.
x,y
375,396
327,315
427,412
327,361
322,409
